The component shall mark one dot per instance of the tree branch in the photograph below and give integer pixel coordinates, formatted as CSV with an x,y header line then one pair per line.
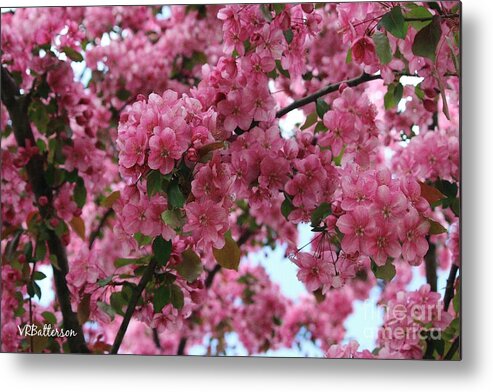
x,y
449,288
132,303
431,268
324,91
98,229
453,349
155,338
17,106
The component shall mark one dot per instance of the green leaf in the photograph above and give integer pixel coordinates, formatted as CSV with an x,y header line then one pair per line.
x,y
264,9
54,176
455,206
162,297
320,213
30,289
117,301
72,54
49,317
439,346
43,89
190,268
61,228
142,239
33,289
40,251
278,7
394,22
108,201
419,92
161,250
54,262
447,188
177,298
107,309
228,256
122,261
12,245
426,40
80,193
173,219
349,56
38,275
418,12
382,47
154,182
393,95
175,197
288,34
286,207
38,114
456,301
123,94
385,272
105,281
322,107
28,251
281,70
320,127
436,228
310,120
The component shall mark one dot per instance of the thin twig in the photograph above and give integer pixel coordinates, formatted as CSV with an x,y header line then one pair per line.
x,y
453,349
98,229
431,268
155,338
132,303
449,288
326,90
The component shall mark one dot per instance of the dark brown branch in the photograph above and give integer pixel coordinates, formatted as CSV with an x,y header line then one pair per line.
x,y
210,276
431,268
326,90
449,288
453,349
181,346
155,338
17,106
132,303
98,229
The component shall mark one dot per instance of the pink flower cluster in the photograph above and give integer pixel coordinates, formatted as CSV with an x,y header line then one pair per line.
x,y
406,320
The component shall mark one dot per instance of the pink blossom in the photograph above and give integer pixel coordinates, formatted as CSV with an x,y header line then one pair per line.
x,y
340,130
357,227
363,51
133,149
236,112
389,205
412,232
165,149
207,222
383,242
314,271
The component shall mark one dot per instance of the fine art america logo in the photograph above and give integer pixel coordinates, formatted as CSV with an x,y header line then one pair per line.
x,y
45,331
